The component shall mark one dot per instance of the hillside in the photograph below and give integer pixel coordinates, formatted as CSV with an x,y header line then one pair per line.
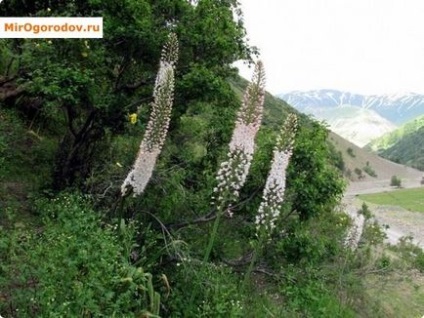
x,y
61,176
404,145
133,185
390,139
357,158
408,151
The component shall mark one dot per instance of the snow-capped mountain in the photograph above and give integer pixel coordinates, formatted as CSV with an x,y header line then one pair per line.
x,y
397,108
358,118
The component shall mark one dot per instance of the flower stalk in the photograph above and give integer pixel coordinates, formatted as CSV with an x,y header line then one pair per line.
x,y
273,195
158,124
233,172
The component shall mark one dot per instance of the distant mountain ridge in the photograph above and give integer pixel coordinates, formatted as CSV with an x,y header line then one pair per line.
x,y
359,125
358,118
397,108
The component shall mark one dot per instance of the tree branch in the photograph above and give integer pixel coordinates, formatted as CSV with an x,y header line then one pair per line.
x,y
203,219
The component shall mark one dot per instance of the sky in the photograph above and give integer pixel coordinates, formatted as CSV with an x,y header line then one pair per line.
x,y
361,46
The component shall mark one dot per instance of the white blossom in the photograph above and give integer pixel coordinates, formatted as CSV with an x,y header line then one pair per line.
x,y
273,195
233,172
157,127
140,175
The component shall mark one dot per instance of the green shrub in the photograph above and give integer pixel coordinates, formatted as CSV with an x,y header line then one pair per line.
x,y
308,294
359,173
419,261
73,266
383,262
365,211
369,170
395,181
350,152
373,233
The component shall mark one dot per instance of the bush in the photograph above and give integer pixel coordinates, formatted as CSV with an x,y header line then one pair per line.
x,y
369,170
350,152
395,182
308,294
359,173
73,266
365,211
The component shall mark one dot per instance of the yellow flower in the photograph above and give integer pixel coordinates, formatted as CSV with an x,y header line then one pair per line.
x,y
133,118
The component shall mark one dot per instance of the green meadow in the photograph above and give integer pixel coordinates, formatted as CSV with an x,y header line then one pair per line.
x,y
410,199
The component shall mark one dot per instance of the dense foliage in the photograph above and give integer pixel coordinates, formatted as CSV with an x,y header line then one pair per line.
x,y
72,265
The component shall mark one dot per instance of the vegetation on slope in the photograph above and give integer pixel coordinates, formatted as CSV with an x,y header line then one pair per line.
x,y
405,145
362,164
408,151
69,246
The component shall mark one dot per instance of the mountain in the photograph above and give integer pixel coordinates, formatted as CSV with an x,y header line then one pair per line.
x,y
404,145
358,125
358,118
397,108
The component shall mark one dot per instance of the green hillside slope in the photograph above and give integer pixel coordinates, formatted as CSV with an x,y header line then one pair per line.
x,y
390,139
408,151
404,145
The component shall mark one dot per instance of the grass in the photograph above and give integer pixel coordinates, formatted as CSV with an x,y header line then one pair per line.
x,y
410,199
397,295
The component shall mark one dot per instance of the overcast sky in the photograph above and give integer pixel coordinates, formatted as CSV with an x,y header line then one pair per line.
x,y
363,46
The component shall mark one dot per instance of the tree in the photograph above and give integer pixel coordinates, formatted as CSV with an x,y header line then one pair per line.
x,y
86,88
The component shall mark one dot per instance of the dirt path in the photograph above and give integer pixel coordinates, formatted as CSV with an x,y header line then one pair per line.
x,y
401,222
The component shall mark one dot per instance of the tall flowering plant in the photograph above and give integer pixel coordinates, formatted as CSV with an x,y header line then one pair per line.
x,y
232,173
273,195
158,124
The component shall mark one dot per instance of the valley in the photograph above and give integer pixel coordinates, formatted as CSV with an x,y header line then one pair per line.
x,y
401,221
358,118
